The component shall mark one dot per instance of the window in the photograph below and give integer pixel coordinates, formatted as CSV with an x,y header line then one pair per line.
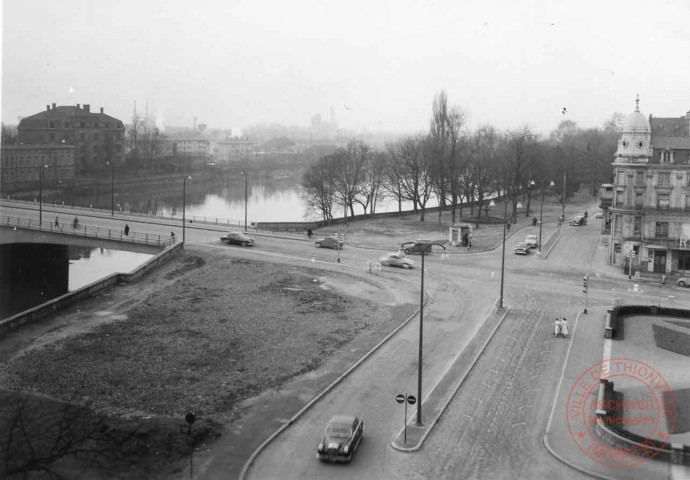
x,y
664,178
639,178
95,137
65,124
637,225
621,177
52,124
666,156
663,202
82,124
52,137
620,197
661,230
639,200
82,137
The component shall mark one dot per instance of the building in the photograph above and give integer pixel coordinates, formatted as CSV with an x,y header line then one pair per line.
x,y
181,146
232,150
650,212
20,166
97,137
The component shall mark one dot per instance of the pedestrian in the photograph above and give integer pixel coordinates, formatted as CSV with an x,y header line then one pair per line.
x,y
309,232
75,223
508,226
57,223
126,230
564,327
172,236
557,327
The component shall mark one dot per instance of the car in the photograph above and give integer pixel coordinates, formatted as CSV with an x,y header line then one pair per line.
x,y
521,249
329,242
341,439
578,221
531,241
238,238
683,282
396,260
599,214
414,248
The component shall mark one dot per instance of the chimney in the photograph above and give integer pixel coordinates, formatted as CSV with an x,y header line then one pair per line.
x,y
101,109
47,108
53,106
78,106
87,108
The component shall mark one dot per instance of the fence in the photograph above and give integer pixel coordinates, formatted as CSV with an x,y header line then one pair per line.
x,y
90,232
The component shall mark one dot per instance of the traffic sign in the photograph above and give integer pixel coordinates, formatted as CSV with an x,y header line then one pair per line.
x,y
411,399
400,398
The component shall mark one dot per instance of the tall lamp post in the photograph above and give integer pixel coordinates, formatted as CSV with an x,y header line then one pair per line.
x,y
40,194
423,247
245,199
541,209
112,187
184,201
503,255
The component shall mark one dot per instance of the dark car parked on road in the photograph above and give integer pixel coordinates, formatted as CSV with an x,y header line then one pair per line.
x,y
329,242
238,238
343,436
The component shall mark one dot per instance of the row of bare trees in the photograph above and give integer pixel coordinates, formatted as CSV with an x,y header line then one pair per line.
x,y
453,167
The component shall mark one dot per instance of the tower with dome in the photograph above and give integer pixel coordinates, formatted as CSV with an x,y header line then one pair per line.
x,y
650,212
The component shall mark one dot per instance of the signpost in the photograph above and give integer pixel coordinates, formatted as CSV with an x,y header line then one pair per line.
x,y
585,288
400,398
190,418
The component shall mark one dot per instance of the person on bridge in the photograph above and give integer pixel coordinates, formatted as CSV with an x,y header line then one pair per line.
x,y
57,223
75,223
126,230
172,236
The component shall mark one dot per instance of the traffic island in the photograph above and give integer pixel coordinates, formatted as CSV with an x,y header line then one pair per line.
x,y
412,436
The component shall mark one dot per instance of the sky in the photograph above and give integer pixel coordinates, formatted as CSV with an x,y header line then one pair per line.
x,y
376,63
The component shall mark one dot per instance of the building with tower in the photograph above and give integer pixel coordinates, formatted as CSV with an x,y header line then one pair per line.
x,y
650,209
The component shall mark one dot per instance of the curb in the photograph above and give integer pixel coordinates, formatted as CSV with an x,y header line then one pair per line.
x,y
319,396
443,408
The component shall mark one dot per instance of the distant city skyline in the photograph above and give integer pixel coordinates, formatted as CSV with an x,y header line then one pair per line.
x,y
378,64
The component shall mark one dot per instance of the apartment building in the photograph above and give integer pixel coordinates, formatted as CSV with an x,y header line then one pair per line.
x,y
650,211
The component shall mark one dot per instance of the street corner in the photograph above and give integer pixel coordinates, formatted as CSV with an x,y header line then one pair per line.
x,y
623,427
411,437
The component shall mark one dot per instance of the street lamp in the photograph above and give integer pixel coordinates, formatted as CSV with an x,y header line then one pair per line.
x,y
245,199
184,200
503,255
423,248
40,194
541,209
112,187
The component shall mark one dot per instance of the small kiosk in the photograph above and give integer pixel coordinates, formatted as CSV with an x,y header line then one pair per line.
x,y
460,235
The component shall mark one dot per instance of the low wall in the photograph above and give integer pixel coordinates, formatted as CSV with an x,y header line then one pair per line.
x,y
635,444
615,315
87,291
672,337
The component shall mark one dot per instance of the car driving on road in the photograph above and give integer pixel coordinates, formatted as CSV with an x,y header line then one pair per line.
x,y
683,282
238,238
329,242
341,439
396,260
521,249
531,241
578,221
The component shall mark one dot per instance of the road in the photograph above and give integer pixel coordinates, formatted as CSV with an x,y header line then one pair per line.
x,y
495,425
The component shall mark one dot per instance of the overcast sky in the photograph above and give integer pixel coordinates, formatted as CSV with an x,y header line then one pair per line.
x,y
377,63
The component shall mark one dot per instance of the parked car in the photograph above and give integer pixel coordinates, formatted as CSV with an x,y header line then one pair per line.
x,y
521,249
396,260
329,242
578,221
599,214
683,282
341,439
238,238
532,241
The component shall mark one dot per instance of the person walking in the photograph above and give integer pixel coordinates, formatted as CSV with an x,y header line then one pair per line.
x,y
57,223
172,236
564,327
126,230
557,327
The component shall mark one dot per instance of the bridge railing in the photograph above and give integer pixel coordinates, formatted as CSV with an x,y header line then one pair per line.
x,y
90,232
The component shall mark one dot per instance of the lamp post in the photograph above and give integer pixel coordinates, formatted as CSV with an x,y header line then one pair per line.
x,y
112,187
184,201
245,199
541,209
423,248
40,194
503,255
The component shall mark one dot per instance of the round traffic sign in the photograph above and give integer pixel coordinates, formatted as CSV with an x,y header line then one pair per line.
x,y
411,399
400,398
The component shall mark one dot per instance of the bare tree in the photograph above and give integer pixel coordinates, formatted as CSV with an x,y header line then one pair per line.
x,y
372,179
9,134
483,166
318,183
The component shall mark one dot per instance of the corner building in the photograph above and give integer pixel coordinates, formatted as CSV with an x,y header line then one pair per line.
x,y
650,211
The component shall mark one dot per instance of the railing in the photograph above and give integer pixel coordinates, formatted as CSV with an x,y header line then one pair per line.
x,y
90,232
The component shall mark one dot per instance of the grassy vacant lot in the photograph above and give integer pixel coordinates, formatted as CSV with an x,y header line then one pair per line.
x,y
220,330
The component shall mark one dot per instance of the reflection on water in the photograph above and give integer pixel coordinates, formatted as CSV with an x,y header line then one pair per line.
x,y
33,273
88,264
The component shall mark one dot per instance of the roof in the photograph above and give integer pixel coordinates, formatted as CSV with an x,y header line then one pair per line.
x,y
64,113
673,143
636,122
343,419
670,127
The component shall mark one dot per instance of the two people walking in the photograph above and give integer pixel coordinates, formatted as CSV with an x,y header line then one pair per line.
x,y
561,327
